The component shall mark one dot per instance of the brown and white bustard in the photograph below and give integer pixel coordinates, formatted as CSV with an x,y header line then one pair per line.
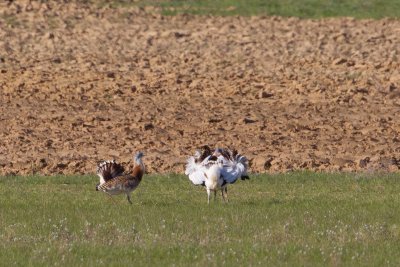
x,y
114,180
215,170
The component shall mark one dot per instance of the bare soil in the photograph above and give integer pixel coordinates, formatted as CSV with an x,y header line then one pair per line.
x,y
79,84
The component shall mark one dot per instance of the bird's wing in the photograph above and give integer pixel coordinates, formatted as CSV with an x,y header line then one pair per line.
x,y
195,171
234,169
230,173
243,164
224,160
206,152
117,182
123,182
109,169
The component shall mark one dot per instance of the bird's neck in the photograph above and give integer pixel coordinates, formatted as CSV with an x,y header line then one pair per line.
x,y
138,170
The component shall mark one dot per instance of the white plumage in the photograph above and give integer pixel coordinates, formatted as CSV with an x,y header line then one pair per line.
x,y
216,170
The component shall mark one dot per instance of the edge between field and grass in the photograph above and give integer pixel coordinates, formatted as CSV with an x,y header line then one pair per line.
x,y
315,9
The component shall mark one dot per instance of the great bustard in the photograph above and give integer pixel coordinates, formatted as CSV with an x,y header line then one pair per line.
x,y
215,170
114,180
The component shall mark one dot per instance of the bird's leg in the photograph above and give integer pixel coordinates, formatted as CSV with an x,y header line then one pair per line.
x,y
223,195
111,198
226,193
215,195
129,198
208,196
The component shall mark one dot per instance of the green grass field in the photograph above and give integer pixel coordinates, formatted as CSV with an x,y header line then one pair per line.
x,y
296,8
295,219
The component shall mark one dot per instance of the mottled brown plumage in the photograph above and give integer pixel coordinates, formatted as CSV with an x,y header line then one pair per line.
x,y
122,183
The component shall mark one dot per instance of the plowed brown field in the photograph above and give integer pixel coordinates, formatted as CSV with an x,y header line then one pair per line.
x,y
80,84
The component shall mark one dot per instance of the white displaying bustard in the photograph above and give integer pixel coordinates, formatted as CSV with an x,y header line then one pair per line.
x,y
215,170
114,180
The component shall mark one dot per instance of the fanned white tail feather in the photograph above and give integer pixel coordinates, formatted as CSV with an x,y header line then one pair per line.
x,y
195,171
107,170
234,168
242,163
217,170
190,165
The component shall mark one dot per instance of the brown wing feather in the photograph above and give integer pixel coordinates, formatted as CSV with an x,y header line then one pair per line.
x,y
125,182
206,151
113,183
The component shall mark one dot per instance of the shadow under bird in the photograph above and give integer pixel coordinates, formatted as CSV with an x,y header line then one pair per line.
x,y
215,170
114,180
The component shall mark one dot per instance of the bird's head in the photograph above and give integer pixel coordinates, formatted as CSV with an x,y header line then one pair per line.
x,y
138,156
